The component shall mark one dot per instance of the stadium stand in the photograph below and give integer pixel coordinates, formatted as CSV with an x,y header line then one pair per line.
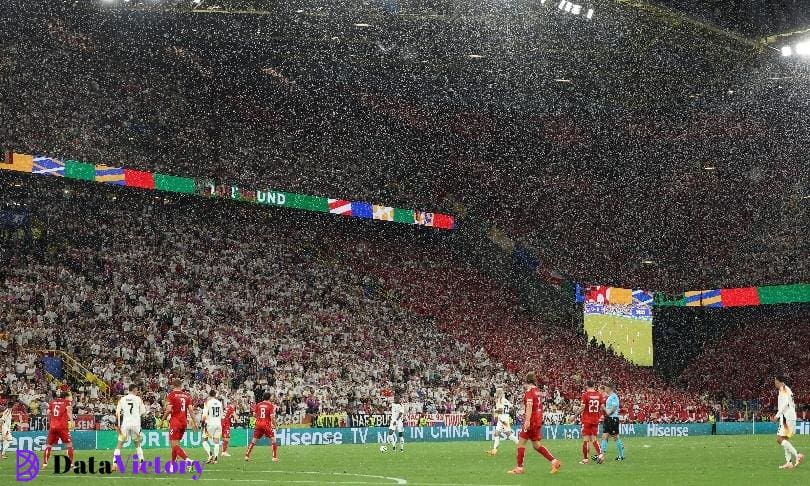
x,y
107,269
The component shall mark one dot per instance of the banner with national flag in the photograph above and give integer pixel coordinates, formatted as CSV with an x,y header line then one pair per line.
x,y
642,297
182,185
739,297
16,162
81,171
444,221
716,298
597,294
362,209
100,173
137,178
620,296
340,206
110,175
48,166
382,213
703,298
405,216
423,218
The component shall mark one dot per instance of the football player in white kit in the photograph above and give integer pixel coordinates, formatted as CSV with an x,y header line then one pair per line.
x,y
397,418
786,416
212,414
5,431
504,425
128,415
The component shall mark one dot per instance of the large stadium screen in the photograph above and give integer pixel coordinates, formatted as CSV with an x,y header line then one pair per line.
x,y
625,328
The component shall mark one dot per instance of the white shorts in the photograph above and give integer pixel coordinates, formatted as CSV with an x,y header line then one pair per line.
x,y
213,431
504,424
396,426
130,432
5,434
786,431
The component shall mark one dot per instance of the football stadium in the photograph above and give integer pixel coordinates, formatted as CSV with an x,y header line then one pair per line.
x,y
405,242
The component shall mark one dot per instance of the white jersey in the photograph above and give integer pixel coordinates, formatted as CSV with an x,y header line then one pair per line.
x,y
5,421
787,408
397,412
129,411
503,406
213,412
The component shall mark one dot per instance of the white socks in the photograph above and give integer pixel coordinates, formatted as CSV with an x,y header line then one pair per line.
x,y
216,450
139,451
790,451
402,443
207,448
497,442
513,438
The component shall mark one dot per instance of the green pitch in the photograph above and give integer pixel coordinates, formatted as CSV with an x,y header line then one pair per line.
x,y
719,460
630,337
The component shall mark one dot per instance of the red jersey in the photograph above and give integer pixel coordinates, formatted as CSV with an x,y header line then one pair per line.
x,y
532,397
58,413
226,420
180,402
592,407
264,413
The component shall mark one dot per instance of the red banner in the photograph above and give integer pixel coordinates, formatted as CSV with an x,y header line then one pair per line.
x,y
85,422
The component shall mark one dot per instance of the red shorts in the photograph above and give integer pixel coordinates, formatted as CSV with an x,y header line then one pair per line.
x,y
177,431
264,431
226,433
55,435
534,433
590,429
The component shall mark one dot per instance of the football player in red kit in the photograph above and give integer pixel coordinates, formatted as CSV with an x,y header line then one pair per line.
x,y
265,413
226,429
591,409
60,414
532,425
179,409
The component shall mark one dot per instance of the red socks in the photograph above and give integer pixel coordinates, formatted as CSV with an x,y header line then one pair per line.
x,y
250,449
584,450
178,451
521,454
275,450
47,453
544,452
596,447
225,445
70,454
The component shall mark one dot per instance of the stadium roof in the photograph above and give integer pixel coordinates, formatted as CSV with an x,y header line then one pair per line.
x,y
759,18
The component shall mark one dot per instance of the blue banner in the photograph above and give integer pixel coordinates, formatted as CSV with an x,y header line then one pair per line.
x,y
35,441
105,439
740,428
53,366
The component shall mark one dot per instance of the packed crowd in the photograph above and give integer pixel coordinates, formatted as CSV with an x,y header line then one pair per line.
x,y
748,354
322,122
236,304
230,300
475,310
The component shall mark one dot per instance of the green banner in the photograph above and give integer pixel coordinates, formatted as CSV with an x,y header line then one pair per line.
x,y
183,185
403,216
80,170
784,294
307,203
157,439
